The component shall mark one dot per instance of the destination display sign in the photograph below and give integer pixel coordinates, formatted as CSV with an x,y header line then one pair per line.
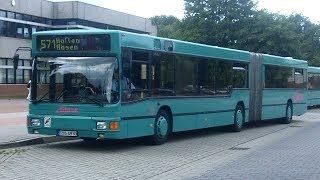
x,y
92,42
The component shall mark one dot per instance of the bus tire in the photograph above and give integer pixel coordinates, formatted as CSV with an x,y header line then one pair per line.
x,y
289,114
162,128
238,118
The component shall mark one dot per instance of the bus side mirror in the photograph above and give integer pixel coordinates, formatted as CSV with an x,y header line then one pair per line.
x,y
15,61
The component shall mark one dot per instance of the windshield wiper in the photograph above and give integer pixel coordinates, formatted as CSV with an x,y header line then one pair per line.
x,y
42,98
61,94
100,103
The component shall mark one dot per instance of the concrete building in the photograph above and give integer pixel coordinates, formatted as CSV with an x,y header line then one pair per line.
x,y
20,18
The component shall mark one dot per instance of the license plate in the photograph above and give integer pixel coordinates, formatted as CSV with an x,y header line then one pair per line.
x,y
68,133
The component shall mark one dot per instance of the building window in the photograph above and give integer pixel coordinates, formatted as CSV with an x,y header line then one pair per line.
x,y
3,13
49,21
19,76
26,32
19,16
2,76
11,29
27,17
10,76
23,73
26,75
2,71
34,29
10,15
19,29
3,28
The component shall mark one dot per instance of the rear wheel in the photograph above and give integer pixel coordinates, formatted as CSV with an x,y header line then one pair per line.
x,y
238,119
162,128
289,113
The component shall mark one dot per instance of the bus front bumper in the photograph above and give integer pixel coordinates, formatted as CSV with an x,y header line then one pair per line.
x,y
81,127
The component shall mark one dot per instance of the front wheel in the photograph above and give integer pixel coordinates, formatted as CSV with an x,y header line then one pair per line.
x,y
162,128
289,114
238,119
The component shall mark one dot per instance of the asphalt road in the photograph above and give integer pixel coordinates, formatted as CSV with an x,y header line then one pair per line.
x,y
267,151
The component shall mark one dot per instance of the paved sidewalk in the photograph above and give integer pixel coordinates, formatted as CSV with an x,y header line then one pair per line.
x,y
13,129
13,105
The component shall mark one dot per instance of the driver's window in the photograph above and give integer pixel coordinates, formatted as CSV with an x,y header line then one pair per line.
x,y
135,79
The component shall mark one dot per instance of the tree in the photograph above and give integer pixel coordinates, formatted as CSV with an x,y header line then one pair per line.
x,y
238,24
221,20
166,25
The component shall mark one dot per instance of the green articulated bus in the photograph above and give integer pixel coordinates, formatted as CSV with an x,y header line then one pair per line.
x,y
313,86
105,84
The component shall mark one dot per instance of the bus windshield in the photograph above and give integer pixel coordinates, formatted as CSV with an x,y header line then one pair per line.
x,y
77,80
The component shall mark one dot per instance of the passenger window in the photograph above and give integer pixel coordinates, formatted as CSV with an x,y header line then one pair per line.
x,y
207,77
299,78
186,76
240,75
162,73
223,76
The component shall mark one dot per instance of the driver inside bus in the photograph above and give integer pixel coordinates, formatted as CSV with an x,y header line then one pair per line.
x,y
126,83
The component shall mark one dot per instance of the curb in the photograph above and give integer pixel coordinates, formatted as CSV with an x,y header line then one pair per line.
x,y
34,141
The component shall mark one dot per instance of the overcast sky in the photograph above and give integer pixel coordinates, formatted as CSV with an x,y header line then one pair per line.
x,y
149,8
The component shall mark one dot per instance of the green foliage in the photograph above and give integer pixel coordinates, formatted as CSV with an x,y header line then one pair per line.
x,y
238,24
166,25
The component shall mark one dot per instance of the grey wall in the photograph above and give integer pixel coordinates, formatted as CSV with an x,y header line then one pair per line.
x,y
75,9
9,45
64,10
40,8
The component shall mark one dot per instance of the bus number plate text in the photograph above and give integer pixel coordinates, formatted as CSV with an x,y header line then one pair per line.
x,y
68,133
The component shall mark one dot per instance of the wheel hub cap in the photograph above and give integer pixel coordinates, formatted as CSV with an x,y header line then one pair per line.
x,y
239,118
162,126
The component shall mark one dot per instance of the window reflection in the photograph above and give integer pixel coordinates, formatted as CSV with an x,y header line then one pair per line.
x,y
284,77
314,81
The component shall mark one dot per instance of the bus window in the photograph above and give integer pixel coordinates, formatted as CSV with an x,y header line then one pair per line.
x,y
223,76
240,75
135,77
162,72
279,77
186,76
207,76
299,78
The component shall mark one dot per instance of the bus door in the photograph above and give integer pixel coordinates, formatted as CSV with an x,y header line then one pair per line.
x,y
255,107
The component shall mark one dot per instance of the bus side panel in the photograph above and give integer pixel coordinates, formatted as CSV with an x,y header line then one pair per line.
x,y
139,117
197,113
187,113
140,127
184,123
274,102
299,109
313,97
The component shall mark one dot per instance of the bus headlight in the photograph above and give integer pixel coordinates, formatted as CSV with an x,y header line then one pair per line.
x,y
35,122
101,125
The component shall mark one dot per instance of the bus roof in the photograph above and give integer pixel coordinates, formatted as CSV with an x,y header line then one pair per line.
x,y
132,40
147,42
284,61
314,69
